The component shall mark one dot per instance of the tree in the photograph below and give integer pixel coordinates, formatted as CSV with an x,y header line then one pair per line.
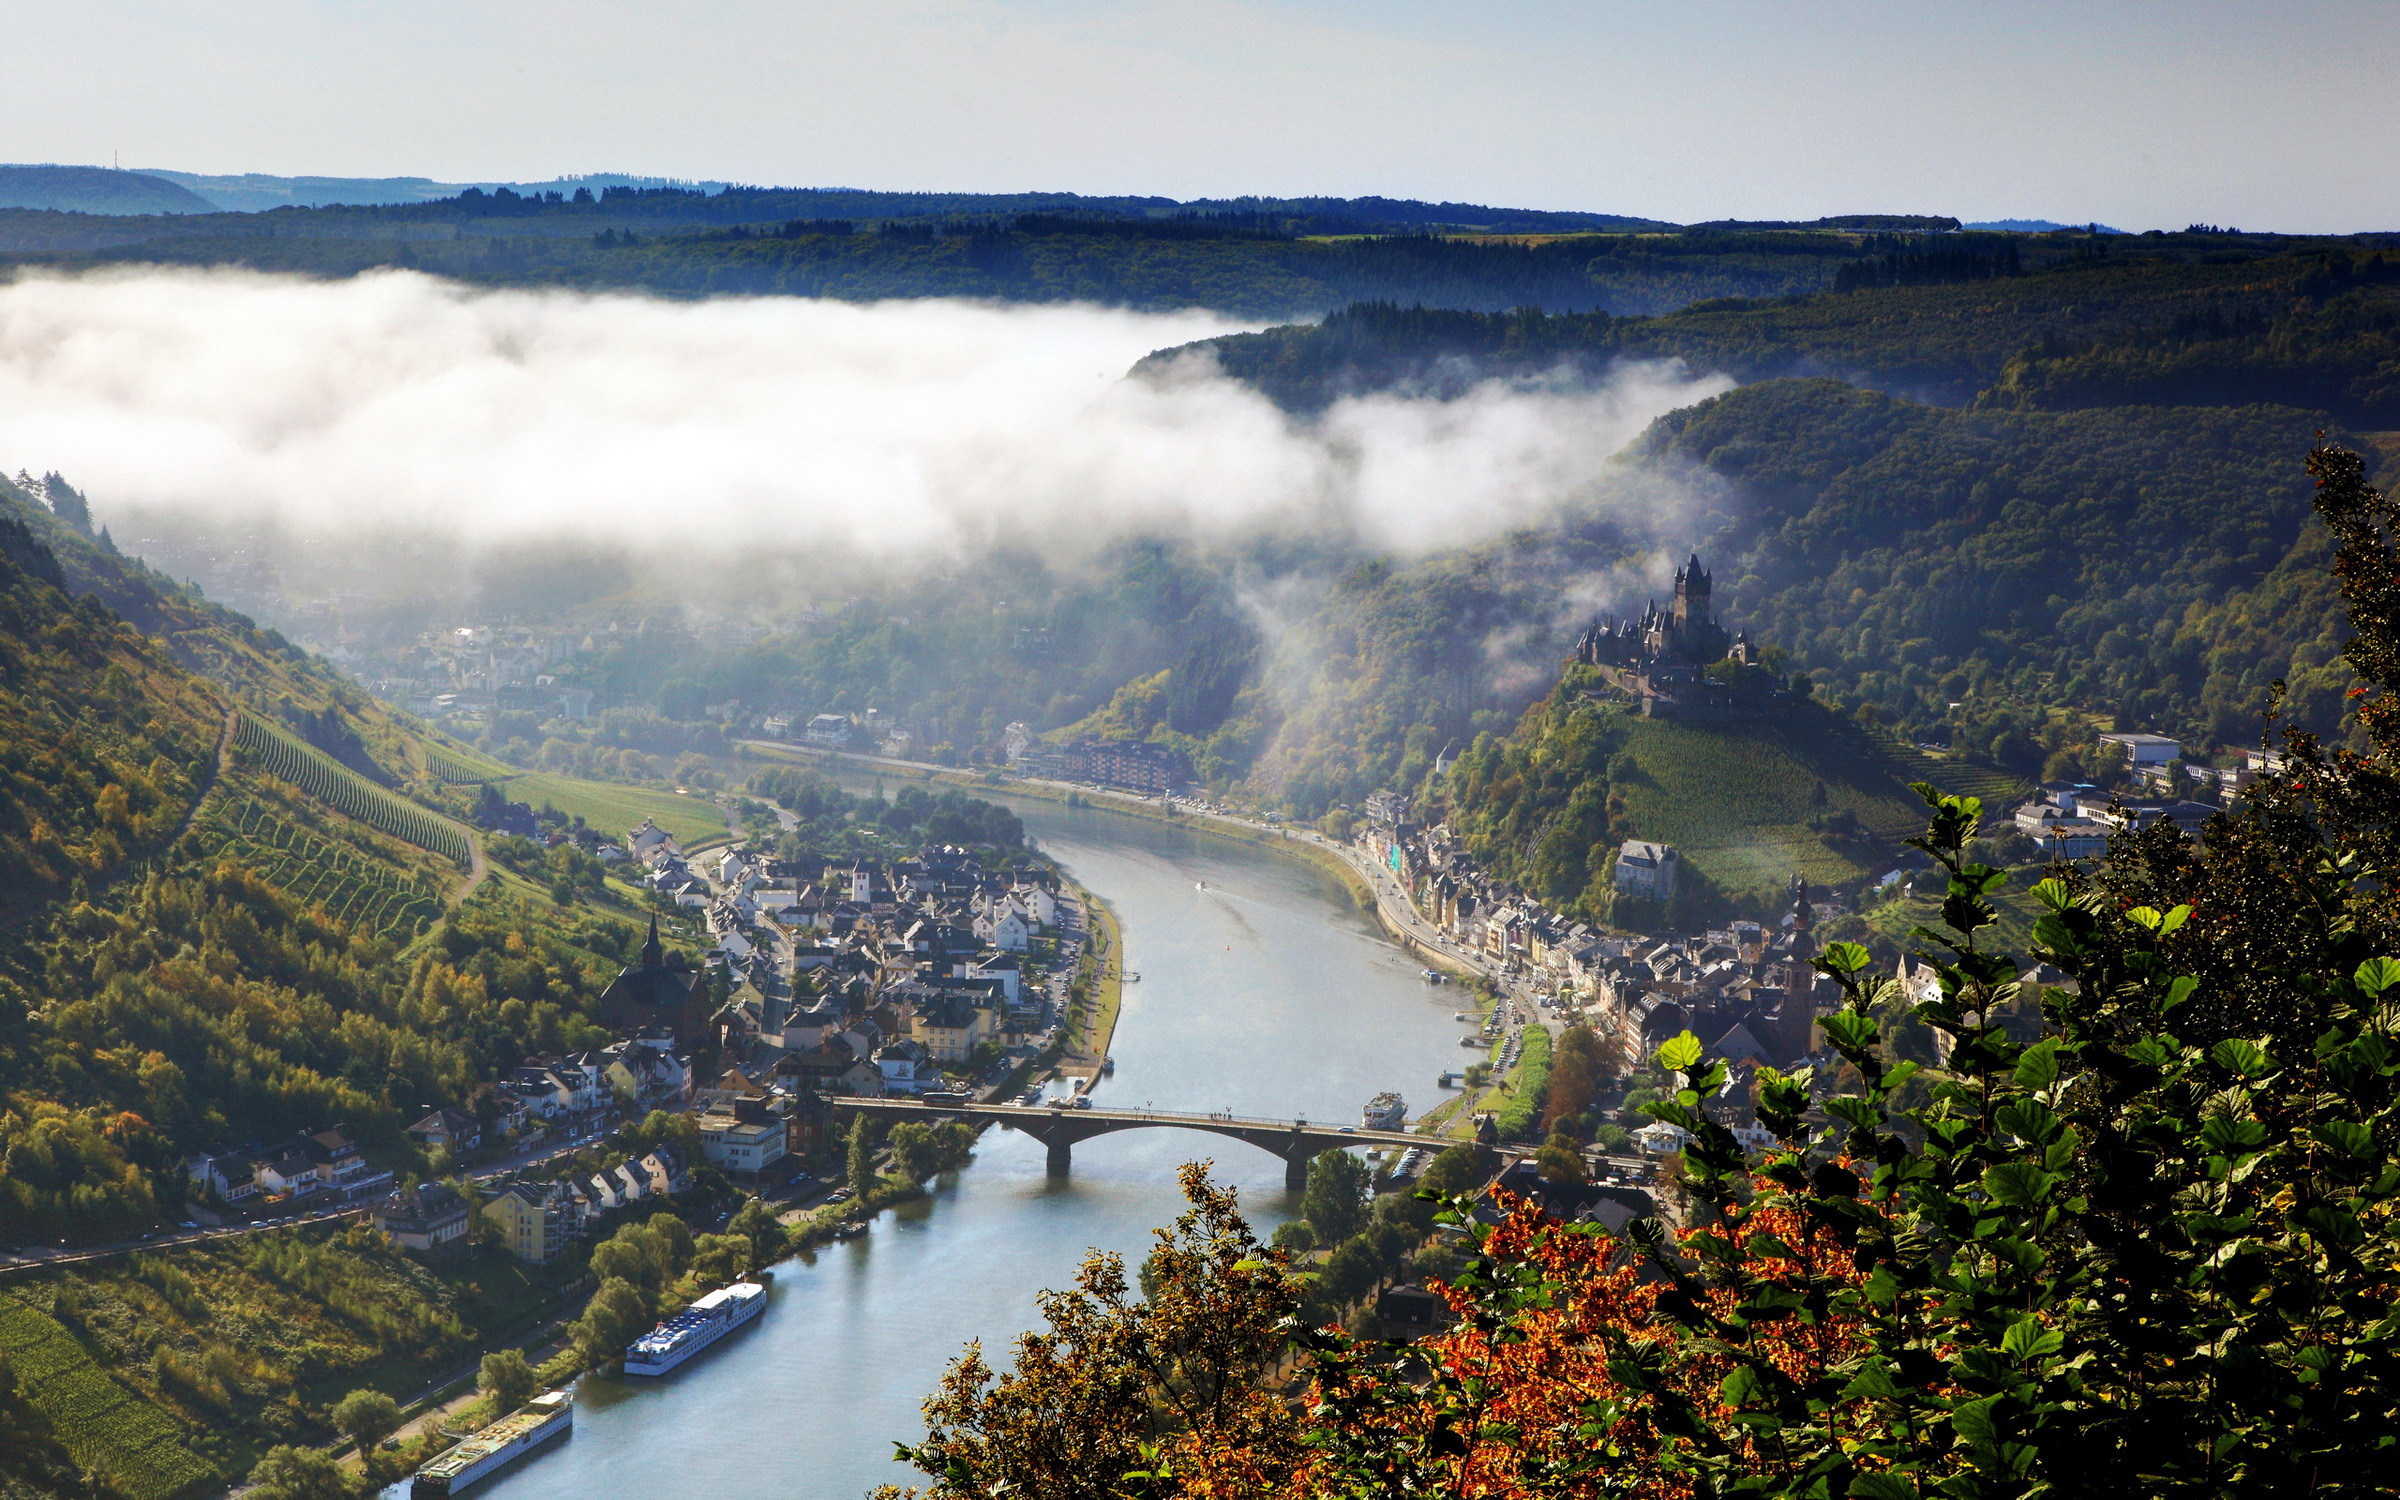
x,y
1110,1373
1560,1162
756,1223
1459,1169
288,1473
720,1258
912,1150
1295,1236
862,1156
366,1417
1335,1199
615,1317
507,1379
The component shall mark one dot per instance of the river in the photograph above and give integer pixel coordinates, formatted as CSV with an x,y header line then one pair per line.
x,y
1265,993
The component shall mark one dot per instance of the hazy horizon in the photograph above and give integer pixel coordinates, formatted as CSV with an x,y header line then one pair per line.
x,y
2133,116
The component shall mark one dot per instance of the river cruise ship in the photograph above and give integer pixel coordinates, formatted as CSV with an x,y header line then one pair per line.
x,y
547,1416
1384,1112
695,1328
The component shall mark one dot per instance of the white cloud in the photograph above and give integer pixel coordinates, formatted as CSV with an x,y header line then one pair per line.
x,y
901,428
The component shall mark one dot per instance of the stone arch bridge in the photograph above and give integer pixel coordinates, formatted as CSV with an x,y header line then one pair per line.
x,y
1297,1142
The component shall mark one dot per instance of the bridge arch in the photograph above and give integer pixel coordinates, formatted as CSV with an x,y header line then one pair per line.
x,y
1295,1142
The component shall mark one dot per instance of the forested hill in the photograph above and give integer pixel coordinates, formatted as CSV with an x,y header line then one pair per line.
x,y
2153,566
1253,258
2172,320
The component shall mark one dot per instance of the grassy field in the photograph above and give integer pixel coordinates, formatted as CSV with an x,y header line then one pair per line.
x,y
1737,799
614,809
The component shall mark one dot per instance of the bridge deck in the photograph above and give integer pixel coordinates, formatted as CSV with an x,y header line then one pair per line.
x,y
1030,1114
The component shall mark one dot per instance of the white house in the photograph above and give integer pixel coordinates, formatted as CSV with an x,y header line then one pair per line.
x,y
2145,749
1037,903
907,1067
1662,1139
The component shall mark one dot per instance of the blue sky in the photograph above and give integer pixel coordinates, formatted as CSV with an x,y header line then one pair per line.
x,y
2135,113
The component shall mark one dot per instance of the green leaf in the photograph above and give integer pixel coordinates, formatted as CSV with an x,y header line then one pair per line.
x,y
2054,894
2348,1137
2017,1184
2028,1120
1849,1030
1973,1420
2028,1339
1881,1487
1679,1054
2037,1066
2178,992
2054,935
1843,958
1741,1387
2247,1059
2228,1136
2377,975
2146,916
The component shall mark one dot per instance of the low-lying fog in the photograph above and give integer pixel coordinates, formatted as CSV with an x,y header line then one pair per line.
x,y
908,429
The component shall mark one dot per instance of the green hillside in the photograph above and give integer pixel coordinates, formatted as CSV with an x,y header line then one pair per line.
x,y
1739,800
1795,791
614,807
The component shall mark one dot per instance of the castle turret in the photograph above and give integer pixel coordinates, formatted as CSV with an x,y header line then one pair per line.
x,y
1691,596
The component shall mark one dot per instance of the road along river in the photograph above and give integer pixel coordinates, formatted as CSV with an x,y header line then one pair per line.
x,y
1263,991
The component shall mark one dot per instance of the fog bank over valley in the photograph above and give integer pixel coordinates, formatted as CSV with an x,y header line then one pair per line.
x,y
917,431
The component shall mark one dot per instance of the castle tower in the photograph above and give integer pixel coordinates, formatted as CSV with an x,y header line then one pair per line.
x,y
1691,596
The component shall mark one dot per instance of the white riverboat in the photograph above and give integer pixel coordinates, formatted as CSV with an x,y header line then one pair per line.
x,y
1385,1111
695,1328
547,1416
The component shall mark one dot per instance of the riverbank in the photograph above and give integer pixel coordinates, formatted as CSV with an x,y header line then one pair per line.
x,y
1100,975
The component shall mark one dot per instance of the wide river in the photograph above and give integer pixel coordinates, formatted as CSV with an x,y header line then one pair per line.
x,y
1265,993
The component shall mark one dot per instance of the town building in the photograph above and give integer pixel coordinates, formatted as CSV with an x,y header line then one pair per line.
x,y
425,1219
743,1137
536,1220
650,996
1647,870
447,1130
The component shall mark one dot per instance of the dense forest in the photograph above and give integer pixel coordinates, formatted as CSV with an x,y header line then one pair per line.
x,y
1257,258
2184,319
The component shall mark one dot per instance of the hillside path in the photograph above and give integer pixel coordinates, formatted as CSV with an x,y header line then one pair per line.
x,y
217,768
477,867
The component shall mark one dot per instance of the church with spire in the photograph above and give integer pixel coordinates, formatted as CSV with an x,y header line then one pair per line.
x,y
655,993
1661,660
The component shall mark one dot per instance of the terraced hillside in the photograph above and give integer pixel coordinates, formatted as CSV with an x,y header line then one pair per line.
x,y
109,1432
1798,791
342,790
378,886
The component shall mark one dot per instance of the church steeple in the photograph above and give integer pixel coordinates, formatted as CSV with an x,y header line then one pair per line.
x,y
653,956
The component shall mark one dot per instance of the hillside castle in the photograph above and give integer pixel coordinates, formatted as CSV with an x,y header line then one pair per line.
x,y
1661,660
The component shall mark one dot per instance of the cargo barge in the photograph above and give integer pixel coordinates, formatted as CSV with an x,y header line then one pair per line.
x,y
547,1416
